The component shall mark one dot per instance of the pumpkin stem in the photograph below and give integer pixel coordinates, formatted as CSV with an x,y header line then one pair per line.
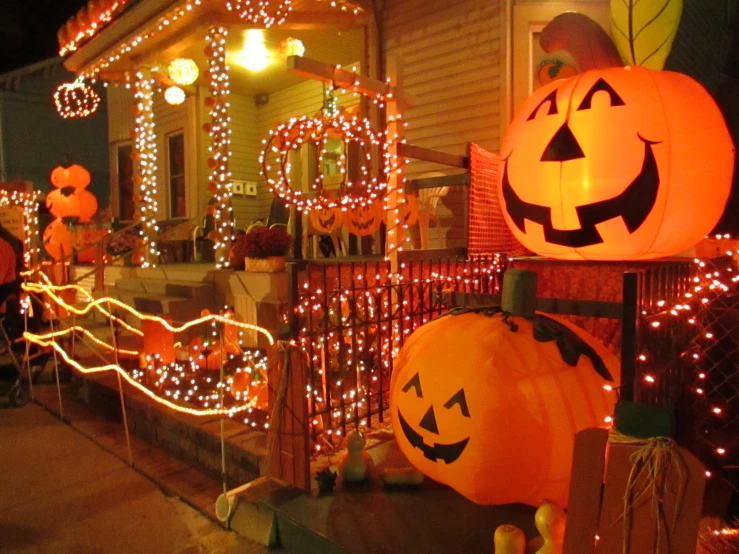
x,y
519,293
583,38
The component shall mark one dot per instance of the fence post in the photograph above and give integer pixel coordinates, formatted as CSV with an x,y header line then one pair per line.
x,y
289,458
628,336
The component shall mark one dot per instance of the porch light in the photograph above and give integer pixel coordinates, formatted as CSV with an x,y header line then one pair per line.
x,y
174,96
255,55
183,71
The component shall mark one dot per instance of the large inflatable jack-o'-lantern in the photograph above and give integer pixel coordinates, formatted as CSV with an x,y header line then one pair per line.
x,y
488,401
622,163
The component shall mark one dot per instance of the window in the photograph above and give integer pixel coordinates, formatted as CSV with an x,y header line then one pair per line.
x,y
176,174
124,177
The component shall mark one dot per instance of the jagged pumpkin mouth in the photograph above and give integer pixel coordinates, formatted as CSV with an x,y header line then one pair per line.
x,y
363,224
327,222
633,205
445,452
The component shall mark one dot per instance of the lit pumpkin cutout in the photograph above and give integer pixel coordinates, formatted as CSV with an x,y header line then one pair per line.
x,y
616,164
364,220
493,412
326,220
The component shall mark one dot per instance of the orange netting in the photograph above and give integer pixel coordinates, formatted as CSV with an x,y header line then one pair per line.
x,y
488,231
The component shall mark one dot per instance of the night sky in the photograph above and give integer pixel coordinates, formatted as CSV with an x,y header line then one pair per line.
x,y
28,29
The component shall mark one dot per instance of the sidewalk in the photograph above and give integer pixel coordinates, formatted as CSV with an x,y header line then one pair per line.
x,y
62,493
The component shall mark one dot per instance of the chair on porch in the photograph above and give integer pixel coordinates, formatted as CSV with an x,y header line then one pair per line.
x,y
428,202
279,216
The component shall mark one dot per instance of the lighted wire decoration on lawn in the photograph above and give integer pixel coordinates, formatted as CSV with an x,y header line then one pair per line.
x,y
333,133
76,100
489,403
261,12
622,163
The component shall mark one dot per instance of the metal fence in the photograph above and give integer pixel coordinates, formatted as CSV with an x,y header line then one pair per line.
x,y
352,320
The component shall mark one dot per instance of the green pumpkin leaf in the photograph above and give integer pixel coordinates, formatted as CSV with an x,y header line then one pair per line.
x,y
644,30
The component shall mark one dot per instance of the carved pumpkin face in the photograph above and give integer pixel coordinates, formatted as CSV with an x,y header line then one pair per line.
x,y
326,220
364,220
493,413
616,164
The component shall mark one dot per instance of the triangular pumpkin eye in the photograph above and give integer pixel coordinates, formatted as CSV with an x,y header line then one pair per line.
x,y
460,399
414,383
600,86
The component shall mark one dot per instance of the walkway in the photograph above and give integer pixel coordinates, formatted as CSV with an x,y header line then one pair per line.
x,y
62,493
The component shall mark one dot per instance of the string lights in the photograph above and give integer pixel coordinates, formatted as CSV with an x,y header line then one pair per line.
x,y
146,155
76,100
88,21
323,132
352,333
220,136
183,71
261,12
174,96
162,23
185,382
27,201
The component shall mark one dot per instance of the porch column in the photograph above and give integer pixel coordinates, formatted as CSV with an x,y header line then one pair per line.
x,y
146,157
220,132
395,128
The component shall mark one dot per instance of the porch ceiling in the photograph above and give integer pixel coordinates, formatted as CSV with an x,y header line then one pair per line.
x,y
330,34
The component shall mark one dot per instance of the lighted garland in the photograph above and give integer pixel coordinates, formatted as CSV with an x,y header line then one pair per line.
x,y
86,23
76,100
261,12
319,130
162,23
146,154
220,134
27,201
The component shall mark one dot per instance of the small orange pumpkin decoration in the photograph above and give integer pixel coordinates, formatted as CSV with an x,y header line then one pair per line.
x,y
490,404
74,176
364,220
57,240
326,220
622,163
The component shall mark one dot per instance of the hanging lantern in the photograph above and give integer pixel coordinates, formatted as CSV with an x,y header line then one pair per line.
x,y
183,71
76,100
332,133
261,12
291,47
174,96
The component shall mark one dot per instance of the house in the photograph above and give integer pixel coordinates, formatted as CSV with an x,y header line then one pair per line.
x,y
34,139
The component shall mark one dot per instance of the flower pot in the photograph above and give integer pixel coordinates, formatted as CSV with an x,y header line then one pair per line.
x,y
273,264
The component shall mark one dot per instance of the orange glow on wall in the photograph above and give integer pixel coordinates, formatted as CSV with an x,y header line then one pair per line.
x,y
492,411
158,341
616,164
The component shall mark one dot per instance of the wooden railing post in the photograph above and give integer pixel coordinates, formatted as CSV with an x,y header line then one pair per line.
x,y
289,441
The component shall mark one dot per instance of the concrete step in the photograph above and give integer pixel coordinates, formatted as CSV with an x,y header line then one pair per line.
x,y
167,287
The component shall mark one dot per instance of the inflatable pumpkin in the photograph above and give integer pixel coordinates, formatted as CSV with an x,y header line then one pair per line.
x,y
490,404
364,220
326,220
616,164
74,176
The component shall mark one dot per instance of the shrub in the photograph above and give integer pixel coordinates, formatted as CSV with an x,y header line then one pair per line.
x,y
262,242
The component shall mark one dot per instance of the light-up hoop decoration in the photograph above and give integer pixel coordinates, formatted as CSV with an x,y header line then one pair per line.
x,y
321,131
76,100
261,12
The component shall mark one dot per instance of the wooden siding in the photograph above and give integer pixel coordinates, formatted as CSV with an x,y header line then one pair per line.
x,y
450,56
244,163
120,113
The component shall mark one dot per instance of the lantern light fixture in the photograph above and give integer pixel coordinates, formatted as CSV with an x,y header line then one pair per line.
x,y
183,71
174,96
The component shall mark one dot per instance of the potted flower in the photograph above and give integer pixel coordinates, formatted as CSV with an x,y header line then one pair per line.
x,y
263,249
